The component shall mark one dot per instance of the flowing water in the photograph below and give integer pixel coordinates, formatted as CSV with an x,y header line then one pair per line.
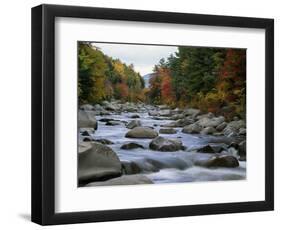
x,y
166,167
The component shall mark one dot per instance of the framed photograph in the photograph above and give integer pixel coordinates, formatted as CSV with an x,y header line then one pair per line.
x,y
143,114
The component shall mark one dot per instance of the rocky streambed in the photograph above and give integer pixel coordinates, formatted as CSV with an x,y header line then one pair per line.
x,y
124,144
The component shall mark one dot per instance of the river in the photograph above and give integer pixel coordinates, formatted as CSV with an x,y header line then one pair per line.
x,y
166,167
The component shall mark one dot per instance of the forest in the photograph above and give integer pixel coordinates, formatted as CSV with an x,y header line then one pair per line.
x,y
209,79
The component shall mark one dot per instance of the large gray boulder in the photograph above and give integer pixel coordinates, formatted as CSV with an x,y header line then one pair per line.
x,y
132,124
165,144
124,180
192,128
97,162
87,119
141,132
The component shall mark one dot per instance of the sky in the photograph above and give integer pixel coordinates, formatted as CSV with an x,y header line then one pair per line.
x,y
143,57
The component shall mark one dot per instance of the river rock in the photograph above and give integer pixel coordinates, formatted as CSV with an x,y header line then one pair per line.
x,y
233,127
112,123
163,107
132,124
210,122
192,128
206,149
131,145
130,167
135,116
141,132
153,113
87,107
165,113
97,162
242,150
177,117
221,126
106,119
242,131
191,112
104,141
124,180
222,161
87,119
208,131
165,144
168,131
180,123
86,131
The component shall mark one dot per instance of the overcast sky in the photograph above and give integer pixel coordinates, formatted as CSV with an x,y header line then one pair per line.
x,y
143,57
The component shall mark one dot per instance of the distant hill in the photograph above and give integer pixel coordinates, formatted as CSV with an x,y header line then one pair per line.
x,y
147,78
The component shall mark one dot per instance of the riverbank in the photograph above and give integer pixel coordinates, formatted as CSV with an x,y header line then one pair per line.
x,y
128,143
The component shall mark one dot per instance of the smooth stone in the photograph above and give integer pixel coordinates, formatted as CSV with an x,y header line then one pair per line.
x,y
87,119
167,131
104,141
130,167
192,128
97,162
87,107
165,144
208,131
141,132
112,123
135,116
206,149
223,161
131,145
124,180
132,124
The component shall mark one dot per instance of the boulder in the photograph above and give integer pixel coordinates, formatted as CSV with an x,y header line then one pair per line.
x,y
221,126
210,122
206,149
87,119
153,113
208,131
106,119
112,123
242,131
87,107
165,113
180,123
192,128
130,167
165,144
104,141
132,124
141,132
124,180
135,116
167,131
177,117
222,161
86,131
191,112
163,107
131,145
233,127
97,162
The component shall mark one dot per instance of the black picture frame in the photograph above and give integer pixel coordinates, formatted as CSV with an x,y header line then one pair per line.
x,y
43,114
